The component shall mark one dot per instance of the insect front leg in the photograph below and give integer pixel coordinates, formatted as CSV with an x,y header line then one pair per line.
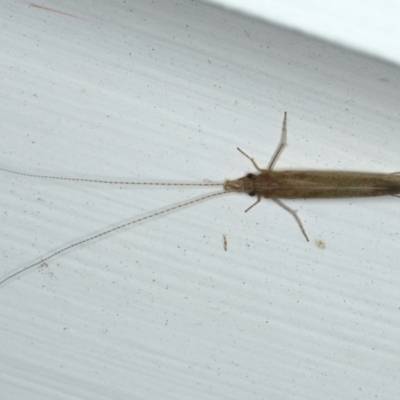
x,y
254,204
251,159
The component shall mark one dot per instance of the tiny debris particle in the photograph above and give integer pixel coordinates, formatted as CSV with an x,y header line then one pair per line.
x,y
225,242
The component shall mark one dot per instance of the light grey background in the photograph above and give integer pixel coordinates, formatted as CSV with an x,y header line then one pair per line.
x,y
370,26
167,91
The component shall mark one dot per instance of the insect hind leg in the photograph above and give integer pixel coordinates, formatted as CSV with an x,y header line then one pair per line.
x,y
281,146
295,216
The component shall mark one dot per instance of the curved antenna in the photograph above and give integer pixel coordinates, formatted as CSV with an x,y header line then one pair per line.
x,y
62,178
101,234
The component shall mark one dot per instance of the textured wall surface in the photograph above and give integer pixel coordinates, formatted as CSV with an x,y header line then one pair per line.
x,y
166,91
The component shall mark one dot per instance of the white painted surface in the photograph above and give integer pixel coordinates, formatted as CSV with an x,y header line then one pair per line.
x,y
368,26
168,91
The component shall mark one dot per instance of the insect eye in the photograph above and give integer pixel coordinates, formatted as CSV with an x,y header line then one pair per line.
x,y
250,176
253,193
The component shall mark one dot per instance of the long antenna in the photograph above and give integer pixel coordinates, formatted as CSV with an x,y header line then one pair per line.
x,y
103,232
62,178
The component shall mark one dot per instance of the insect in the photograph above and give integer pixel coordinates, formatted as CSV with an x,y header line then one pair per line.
x,y
267,183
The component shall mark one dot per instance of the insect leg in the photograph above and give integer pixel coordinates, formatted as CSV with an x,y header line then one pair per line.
x,y
254,204
251,159
281,145
278,151
294,213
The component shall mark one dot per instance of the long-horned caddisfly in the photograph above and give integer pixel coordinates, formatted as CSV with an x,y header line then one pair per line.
x,y
267,183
